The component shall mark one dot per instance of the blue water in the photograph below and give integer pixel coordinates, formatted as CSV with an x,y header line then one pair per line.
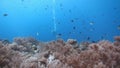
x,y
47,20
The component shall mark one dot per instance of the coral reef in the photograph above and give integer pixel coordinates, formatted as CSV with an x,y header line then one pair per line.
x,y
117,40
30,53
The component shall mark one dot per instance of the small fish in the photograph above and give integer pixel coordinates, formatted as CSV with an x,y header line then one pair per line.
x,y
93,41
74,27
59,34
72,20
102,37
80,32
46,8
88,38
5,14
58,22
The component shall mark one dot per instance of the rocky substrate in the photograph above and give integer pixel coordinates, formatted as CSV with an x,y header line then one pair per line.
x,y
30,53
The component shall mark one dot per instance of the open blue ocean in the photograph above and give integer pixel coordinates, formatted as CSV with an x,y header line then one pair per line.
x,y
46,20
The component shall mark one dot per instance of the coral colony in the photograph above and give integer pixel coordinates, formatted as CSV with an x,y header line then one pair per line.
x,y
30,53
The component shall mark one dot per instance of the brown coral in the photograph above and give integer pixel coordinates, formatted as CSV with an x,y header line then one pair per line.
x,y
59,54
117,40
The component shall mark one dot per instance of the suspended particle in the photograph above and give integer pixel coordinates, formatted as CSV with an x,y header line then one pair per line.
x,y
92,29
102,37
115,8
61,5
92,23
69,10
37,33
22,0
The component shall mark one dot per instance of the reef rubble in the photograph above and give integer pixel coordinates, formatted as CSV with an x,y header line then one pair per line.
x,y
30,53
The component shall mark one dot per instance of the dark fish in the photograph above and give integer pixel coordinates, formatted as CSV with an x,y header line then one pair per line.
x,y
5,14
88,38
80,32
46,8
58,22
74,27
72,20
93,41
59,34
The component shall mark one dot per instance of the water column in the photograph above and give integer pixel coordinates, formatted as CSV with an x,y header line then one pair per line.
x,y
54,17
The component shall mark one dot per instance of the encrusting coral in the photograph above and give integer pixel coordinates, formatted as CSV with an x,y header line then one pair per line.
x,y
30,53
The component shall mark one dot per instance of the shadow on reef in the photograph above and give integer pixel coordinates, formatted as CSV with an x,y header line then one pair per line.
x,y
30,53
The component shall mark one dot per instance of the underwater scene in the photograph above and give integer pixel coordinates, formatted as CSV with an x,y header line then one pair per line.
x,y
59,33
